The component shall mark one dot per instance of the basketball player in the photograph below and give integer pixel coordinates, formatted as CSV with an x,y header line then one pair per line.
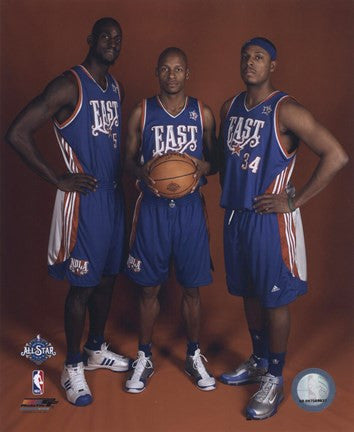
x,y
37,379
85,244
163,228
263,240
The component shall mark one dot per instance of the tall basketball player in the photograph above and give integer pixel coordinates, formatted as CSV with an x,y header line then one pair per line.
x,y
163,228
263,239
86,237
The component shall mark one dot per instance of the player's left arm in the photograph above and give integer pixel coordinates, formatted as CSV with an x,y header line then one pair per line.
x,y
295,118
208,165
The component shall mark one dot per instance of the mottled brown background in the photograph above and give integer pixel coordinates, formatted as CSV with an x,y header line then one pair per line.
x,y
40,39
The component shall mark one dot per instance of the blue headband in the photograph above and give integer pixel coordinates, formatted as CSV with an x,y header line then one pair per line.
x,y
271,50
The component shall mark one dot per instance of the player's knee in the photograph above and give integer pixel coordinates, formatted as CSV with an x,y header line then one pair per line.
x,y
149,293
191,295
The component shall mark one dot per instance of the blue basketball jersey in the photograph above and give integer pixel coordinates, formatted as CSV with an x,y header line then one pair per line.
x,y
87,231
255,160
90,138
163,132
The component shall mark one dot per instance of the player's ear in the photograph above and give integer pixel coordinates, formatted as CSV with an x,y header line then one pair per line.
x,y
273,65
157,71
90,39
187,73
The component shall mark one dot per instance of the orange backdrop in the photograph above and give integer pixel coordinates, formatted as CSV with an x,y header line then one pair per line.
x,y
39,40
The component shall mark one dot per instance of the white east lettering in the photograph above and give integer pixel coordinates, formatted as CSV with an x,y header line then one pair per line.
x,y
105,115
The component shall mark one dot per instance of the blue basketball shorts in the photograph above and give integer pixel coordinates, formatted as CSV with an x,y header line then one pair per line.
x,y
87,236
166,229
265,256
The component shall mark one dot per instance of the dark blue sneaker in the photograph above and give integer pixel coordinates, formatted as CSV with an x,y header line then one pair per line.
x,y
251,371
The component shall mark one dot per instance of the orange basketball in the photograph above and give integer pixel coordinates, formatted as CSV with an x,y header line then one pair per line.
x,y
173,174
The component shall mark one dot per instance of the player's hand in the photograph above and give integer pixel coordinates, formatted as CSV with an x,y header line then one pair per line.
x,y
202,168
78,182
272,203
145,175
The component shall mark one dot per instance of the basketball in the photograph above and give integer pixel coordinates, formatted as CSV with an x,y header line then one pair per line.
x,y
173,174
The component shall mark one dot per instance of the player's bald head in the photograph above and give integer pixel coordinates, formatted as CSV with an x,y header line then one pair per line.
x,y
172,51
104,22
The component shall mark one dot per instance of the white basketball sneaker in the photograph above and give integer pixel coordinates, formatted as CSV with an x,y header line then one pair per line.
x,y
74,382
106,359
195,367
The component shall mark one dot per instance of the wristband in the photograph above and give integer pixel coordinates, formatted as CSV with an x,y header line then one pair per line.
x,y
291,204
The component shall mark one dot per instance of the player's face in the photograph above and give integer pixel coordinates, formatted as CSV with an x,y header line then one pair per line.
x,y
172,73
256,65
105,46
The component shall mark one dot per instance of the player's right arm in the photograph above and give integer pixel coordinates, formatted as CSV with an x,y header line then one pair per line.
x,y
220,143
57,100
132,149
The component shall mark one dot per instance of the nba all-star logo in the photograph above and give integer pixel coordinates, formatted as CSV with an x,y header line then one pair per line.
x,y
38,350
193,115
78,267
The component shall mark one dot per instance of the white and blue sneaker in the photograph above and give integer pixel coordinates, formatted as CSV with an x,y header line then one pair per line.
x,y
195,368
265,402
74,383
142,370
105,359
251,371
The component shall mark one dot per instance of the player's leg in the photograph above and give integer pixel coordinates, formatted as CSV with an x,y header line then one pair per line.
x,y
278,333
97,354
195,361
74,318
143,368
264,403
192,264
190,308
73,378
256,366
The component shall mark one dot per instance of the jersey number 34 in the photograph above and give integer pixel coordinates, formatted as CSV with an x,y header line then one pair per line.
x,y
253,166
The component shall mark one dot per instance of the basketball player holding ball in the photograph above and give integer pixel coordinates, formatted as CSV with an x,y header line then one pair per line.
x,y
166,228
263,239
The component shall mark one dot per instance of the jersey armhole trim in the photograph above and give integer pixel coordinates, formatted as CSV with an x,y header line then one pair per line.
x,y
118,88
201,113
283,149
77,106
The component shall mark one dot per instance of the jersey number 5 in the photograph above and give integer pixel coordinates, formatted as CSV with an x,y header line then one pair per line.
x,y
253,166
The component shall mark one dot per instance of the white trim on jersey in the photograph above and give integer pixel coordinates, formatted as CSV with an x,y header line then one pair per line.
x,y
93,79
290,240
232,102
283,178
201,115
118,88
77,108
67,153
173,116
300,255
260,103
275,125
61,226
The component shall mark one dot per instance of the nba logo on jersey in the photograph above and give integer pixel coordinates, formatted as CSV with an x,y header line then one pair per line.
x,y
37,382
